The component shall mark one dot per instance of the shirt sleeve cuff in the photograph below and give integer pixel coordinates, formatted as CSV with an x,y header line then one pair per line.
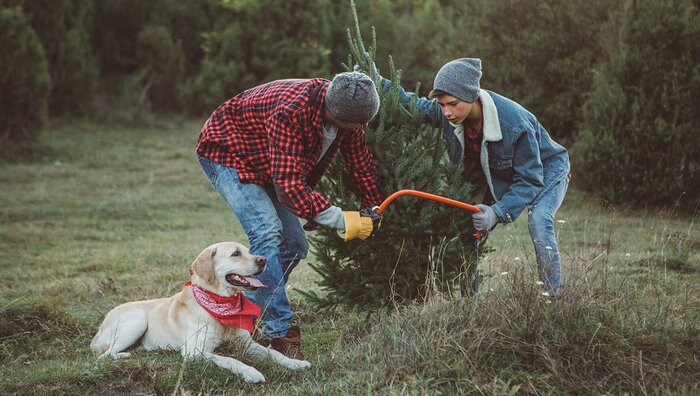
x,y
331,217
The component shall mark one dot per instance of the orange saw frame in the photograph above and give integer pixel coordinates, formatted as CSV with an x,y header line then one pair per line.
x,y
432,197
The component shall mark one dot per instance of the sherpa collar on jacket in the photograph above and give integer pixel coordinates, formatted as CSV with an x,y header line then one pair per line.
x,y
492,128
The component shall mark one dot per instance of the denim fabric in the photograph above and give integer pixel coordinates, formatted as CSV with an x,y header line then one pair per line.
x,y
273,232
540,222
520,165
523,165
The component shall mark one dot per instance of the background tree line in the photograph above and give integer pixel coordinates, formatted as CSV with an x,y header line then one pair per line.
x,y
617,81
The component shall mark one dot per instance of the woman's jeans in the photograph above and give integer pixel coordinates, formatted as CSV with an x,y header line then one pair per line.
x,y
273,231
541,224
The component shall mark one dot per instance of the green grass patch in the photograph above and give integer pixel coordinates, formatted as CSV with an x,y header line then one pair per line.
x,y
112,214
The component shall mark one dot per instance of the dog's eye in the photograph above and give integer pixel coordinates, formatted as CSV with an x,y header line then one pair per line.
x,y
236,253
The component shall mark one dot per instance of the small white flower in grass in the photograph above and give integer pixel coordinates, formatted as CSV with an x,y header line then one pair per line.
x,y
517,259
490,289
504,273
561,221
540,283
546,294
627,254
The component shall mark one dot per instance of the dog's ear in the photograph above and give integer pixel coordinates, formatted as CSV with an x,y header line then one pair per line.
x,y
203,265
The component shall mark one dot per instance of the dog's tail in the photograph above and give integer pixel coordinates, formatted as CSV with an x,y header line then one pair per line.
x,y
98,344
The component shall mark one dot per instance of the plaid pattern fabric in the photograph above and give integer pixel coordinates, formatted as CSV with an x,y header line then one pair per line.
x,y
472,153
472,141
272,135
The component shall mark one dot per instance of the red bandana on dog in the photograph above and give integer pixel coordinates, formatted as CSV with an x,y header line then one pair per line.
x,y
236,310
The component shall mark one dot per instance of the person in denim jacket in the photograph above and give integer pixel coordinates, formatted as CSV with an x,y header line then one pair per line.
x,y
522,165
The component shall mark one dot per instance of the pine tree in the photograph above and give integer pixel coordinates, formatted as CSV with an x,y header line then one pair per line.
x,y
422,246
542,55
63,27
254,42
640,140
162,65
24,85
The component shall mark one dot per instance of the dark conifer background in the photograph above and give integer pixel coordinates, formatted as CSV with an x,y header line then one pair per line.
x,y
618,76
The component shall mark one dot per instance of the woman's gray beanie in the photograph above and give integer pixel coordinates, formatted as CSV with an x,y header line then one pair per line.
x,y
352,97
459,78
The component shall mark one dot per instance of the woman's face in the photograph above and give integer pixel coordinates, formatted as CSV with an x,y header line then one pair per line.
x,y
455,110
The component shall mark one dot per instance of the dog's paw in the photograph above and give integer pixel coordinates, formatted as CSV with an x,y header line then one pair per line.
x,y
294,364
252,376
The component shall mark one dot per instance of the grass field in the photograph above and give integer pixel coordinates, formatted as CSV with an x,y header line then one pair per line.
x,y
114,214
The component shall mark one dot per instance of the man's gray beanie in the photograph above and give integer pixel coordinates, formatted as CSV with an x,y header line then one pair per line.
x,y
459,78
352,97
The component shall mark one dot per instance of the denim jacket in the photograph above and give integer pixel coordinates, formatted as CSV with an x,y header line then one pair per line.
x,y
519,159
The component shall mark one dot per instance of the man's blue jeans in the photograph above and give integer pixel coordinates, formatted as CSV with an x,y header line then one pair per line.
x,y
273,231
541,224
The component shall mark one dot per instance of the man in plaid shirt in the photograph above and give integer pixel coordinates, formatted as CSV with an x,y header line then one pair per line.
x,y
264,150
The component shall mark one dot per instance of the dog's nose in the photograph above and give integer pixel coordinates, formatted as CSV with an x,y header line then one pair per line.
x,y
260,261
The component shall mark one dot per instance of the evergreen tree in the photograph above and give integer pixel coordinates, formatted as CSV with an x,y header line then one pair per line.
x,y
258,41
117,26
540,53
187,21
421,26
24,84
422,246
63,27
162,64
640,142
120,27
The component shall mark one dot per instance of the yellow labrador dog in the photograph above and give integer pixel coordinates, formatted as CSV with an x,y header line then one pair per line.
x,y
193,319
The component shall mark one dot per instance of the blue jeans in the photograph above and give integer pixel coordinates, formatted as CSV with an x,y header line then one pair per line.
x,y
273,231
541,225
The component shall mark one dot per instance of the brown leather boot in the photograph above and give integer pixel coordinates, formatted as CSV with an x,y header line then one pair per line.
x,y
261,338
289,345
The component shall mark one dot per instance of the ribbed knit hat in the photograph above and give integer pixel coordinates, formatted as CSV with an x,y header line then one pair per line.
x,y
459,78
352,97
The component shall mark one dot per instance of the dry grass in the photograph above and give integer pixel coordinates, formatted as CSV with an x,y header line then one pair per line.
x,y
117,214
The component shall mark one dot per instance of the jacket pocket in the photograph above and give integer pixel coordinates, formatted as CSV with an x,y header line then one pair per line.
x,y
501,168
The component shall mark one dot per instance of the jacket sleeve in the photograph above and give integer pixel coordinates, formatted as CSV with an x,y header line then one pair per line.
x,y
286,153
359,163
528,178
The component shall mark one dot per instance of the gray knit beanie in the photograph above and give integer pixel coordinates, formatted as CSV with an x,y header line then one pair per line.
x,y
459,78
352,97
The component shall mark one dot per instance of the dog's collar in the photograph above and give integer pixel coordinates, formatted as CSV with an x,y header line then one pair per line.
x,y
235,310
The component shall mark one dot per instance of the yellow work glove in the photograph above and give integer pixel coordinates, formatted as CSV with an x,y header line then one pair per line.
x,y
362,224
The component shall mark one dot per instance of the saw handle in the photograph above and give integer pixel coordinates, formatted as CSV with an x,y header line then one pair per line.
x,y
432,197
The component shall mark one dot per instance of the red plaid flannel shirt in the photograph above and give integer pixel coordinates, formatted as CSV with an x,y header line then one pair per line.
x,y
472,141
272,134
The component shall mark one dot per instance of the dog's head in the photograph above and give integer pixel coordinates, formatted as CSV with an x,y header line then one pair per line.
x,y
226,268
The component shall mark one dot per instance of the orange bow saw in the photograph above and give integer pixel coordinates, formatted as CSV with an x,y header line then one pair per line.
x,y
431,197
